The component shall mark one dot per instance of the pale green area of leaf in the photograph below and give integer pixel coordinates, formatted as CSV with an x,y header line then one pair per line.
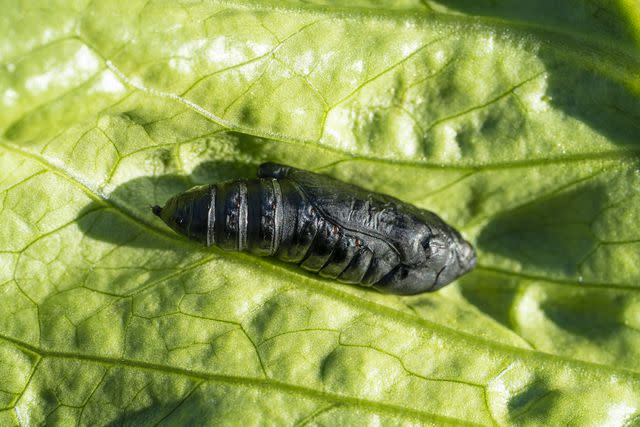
x,y
518,123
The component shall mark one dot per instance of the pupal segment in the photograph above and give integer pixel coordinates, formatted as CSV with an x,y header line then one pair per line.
x,y
335,229
188,213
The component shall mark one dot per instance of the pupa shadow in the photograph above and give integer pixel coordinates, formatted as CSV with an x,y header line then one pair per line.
x,y
321,224
127,217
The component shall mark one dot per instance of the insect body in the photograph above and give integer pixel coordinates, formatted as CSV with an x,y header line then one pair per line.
x,y
336,229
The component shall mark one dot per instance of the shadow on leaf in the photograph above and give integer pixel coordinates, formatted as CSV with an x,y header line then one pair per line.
x,y
611,19
111,223
187,409
553,234
592,318
601,103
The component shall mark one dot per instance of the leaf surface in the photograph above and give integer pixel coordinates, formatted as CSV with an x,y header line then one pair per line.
x,y
517,123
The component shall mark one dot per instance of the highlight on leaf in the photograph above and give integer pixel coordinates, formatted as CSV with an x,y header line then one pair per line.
x,y
517,123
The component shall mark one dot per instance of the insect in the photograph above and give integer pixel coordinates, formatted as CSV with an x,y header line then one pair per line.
x,y
338,230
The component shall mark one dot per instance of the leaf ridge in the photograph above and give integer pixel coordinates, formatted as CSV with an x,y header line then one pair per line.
x,y
331,291
326,396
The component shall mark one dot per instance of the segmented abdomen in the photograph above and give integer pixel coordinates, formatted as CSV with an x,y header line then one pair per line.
x,y
246,215
274,217
336,229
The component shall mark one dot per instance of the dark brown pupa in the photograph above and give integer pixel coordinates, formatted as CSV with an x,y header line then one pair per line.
x,y
327,226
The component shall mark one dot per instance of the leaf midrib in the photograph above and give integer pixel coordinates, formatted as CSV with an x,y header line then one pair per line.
x,y
276,137
229,125
328,291
340,399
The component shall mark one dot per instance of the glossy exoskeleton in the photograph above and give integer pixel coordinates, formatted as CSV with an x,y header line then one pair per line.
x,y
327,226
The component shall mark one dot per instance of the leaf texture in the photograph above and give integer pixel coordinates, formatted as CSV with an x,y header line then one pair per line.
x,y
519,124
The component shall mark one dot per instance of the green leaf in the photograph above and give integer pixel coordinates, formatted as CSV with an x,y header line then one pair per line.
x,y
518,123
